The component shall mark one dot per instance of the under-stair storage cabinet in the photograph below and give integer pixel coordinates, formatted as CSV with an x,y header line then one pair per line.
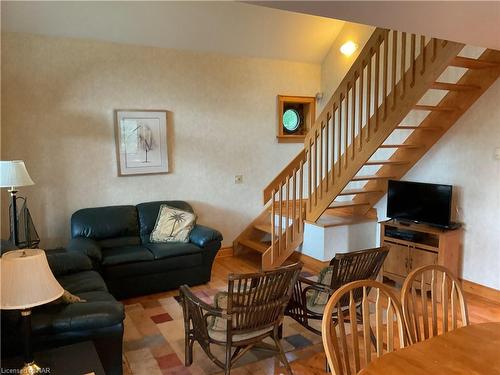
x,y
416,245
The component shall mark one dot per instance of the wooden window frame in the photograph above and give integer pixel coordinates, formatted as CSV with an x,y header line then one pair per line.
x,y
309,103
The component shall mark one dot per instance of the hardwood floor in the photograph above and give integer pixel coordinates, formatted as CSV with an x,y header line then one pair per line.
x,y
311,359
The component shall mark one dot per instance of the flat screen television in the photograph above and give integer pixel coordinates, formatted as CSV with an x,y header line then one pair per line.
x,y
419,202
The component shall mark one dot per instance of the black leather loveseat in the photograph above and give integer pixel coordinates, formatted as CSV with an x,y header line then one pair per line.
x,y
99,319
116,239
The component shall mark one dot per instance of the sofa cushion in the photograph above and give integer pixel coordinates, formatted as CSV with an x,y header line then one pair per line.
x,y
169,250
87,246
68,262
81,282
105,222
119,241
125,254
148,212
157,266
172,225
101,310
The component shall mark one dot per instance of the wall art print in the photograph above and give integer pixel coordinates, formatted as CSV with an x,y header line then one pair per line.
x,y
141,137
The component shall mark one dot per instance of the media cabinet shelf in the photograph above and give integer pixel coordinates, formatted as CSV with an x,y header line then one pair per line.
x,y
415,245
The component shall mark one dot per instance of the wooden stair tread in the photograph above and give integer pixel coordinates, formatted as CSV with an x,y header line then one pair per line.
x,y
370,177
399,146
341,204
266,228
439,108
358,191
256,245
386,162
413,127
329,220
453,86
466,62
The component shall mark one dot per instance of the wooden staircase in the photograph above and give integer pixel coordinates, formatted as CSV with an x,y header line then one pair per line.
x,y
387,81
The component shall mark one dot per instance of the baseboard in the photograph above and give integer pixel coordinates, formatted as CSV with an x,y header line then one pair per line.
x,y
481,290
225,252
309,262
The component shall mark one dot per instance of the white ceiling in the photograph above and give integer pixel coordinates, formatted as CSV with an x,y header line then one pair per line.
x,y
471,22
222,27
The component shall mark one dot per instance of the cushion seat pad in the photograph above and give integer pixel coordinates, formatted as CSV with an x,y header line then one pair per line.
x,y
125,254
221,336
169,250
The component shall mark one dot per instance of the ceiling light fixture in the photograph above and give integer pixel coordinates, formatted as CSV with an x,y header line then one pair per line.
x,y
348,48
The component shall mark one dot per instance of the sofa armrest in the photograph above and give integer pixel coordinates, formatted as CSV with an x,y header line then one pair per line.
x,y
202,236
86,246
65,263
88,315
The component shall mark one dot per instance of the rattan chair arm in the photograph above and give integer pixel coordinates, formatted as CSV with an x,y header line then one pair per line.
x,y
315,285
304,280
191,299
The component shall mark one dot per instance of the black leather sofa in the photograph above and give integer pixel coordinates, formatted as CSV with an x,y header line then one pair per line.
x,y
116,239
99,319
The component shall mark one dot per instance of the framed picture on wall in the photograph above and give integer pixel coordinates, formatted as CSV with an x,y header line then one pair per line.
x,y
141,142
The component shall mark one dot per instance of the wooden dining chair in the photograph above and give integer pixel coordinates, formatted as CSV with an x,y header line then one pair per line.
x,y
349,349
446,308
250,311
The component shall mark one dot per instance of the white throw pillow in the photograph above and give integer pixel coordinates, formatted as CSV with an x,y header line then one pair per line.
x,y
172,225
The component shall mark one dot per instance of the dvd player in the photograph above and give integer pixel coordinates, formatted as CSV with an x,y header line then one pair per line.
x,y
406,235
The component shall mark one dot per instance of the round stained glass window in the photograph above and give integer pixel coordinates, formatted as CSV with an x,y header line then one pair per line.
x,y
291,120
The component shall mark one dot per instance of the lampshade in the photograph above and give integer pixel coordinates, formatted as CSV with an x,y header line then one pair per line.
x,y
13,173
26,280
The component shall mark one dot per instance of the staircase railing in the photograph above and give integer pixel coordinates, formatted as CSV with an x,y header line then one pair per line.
x,y
389,76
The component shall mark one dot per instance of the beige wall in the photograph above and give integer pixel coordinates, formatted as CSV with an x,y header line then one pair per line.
x,y
335,65
57,115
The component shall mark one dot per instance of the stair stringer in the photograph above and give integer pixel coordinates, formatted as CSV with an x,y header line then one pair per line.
x,y
440,122
250,230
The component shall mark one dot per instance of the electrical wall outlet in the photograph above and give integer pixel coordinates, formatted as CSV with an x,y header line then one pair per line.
x,y
238,179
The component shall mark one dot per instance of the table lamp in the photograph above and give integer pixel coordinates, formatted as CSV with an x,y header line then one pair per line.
x,y
26,282
13,174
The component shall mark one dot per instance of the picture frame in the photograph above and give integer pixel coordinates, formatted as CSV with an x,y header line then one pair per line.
x,y
141,142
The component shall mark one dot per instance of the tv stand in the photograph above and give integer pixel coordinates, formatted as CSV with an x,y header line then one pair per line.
x,y
404,223
413,245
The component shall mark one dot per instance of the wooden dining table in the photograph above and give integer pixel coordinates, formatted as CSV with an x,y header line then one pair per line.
x,y
471,350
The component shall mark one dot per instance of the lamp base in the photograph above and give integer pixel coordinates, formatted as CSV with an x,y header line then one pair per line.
x,y
30,369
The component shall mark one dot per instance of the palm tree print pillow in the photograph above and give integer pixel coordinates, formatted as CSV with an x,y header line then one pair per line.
x,y
172,225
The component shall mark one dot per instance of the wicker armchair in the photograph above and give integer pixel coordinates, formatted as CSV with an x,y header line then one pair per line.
x,y
251,310
309,298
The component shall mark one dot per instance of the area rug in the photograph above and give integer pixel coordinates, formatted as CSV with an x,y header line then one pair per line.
x,y
154,339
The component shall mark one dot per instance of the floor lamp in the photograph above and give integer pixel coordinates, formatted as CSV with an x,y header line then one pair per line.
x,y
13,174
